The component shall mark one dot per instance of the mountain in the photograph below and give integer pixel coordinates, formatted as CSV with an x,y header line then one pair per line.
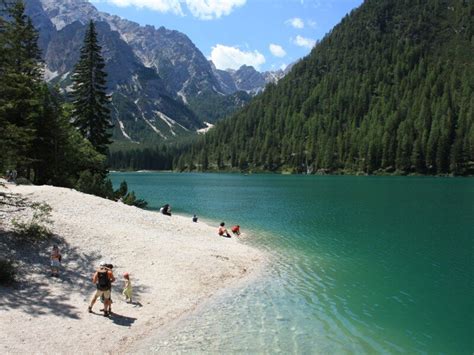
x,y
247,79
389,89
162,86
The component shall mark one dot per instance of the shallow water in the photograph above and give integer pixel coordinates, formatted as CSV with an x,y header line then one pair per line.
x,y
360,264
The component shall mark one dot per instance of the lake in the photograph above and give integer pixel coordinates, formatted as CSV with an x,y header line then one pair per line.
x,y
359,264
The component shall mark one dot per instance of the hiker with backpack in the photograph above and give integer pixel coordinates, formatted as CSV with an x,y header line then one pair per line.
x,y
103,279
102,298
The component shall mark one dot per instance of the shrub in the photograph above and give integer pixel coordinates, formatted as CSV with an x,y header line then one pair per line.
x,y
128,198
7,272
131,199
94,184
23,181
37,228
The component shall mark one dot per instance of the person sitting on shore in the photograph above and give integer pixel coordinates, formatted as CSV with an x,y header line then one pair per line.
x,y
195,219
222,231
103,279
236,230
55,261
166,210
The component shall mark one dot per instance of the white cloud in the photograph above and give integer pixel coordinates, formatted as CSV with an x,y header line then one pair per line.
x,y
210,9
277,50
296,22
202,9
173,6
225,57
304,42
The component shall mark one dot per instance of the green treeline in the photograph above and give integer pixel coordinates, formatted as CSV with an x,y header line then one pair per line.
x,y
36,136
44,138
390,89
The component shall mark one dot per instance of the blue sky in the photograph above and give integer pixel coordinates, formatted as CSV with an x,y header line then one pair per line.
x,y
268,34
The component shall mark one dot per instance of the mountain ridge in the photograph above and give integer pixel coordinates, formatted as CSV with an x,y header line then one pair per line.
x,y
182,77
389,89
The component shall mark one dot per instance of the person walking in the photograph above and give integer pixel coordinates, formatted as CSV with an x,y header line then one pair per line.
x,y
103,279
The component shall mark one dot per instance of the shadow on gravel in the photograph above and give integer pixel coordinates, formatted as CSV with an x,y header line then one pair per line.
x,y
32,290
35,291
122,320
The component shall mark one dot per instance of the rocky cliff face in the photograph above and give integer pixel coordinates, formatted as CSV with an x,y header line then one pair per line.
x,y
159,81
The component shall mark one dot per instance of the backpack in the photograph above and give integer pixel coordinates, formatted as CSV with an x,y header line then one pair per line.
x,y
103,282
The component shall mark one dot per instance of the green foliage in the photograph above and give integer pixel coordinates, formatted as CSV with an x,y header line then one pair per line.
x,y
23,181
91,103
121,191
7,272
387,90
94,184
37,228
36,135
20,73
128,198
131,199
157,158
211,107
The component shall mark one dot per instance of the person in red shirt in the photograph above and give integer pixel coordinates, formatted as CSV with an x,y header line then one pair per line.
x,y
236,230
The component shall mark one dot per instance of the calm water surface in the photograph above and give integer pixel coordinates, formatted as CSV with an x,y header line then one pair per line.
x,y
360,264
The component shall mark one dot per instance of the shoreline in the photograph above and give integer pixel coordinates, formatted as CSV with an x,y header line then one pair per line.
x,y
150,344
176,266
286,173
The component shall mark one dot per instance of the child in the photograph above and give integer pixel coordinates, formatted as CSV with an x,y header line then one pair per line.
x,y
236,230
55,260
127,291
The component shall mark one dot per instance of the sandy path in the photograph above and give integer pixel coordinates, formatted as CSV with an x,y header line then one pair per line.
x,y
175,265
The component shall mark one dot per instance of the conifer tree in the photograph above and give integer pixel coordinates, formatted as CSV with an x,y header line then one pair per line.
x,y
21,77
91,112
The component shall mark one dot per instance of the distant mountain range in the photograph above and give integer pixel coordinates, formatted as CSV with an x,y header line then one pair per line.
x,y
162,86
388,90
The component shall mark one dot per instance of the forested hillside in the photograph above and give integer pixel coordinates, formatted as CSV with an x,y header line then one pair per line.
x,y
390,89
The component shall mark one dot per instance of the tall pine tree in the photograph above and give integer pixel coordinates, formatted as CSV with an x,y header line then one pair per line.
x,y
91,103
21,77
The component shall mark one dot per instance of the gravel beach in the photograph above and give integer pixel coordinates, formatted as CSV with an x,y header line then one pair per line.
x,y
174,264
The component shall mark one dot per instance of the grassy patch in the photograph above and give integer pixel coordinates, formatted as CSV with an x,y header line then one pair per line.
x,y
37,228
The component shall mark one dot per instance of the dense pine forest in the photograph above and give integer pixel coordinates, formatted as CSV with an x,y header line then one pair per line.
x,y
47,137
388,90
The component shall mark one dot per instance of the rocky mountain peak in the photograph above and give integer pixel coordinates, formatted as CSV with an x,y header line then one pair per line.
x,y
161,84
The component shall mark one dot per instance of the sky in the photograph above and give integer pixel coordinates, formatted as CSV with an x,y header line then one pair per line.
x,y
267,34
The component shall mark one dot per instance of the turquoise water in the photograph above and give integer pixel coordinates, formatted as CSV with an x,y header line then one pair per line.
x,y
360,264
